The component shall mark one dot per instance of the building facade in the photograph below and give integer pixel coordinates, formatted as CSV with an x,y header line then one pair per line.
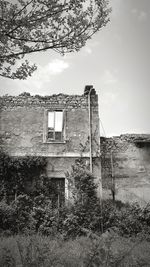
x,y
64,128
61,128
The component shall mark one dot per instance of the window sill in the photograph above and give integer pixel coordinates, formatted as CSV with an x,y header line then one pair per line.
x,y
54,142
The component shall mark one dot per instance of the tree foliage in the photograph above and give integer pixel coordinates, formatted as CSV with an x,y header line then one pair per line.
x,y
83,214
81,184
28,26
30,212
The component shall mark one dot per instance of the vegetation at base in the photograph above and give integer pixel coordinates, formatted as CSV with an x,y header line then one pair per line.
x,y
27,216
21,175
43,251
31,211
85,233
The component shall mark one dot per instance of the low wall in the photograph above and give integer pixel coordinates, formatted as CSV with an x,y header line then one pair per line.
x,y
126,160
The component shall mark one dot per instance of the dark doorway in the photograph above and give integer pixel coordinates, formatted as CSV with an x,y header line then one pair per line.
x,y
58,192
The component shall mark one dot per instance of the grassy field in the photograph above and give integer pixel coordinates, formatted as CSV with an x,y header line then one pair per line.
x,y
107,250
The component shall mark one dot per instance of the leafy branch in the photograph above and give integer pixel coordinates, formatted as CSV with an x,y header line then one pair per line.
x,y
33,26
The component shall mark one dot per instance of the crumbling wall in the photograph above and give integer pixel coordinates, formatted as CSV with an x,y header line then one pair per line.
x,y
22,122
127,158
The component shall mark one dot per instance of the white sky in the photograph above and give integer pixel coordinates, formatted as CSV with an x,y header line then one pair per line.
x,y
55,120
116,61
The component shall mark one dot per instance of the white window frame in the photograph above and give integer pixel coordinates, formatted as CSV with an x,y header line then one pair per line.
x,y
45,133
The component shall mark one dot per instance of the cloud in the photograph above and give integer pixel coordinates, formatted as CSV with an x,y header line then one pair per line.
x,y
91,47
57,66
43,76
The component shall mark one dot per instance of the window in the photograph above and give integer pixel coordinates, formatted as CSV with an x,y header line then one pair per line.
x,y
55,127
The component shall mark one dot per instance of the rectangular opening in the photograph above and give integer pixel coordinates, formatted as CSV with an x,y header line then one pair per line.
x,y
58,192
55,126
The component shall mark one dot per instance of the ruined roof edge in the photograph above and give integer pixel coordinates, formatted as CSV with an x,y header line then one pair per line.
x,y
134,137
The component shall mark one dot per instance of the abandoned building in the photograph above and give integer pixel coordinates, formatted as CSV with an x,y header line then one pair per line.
x,y
61,128
64,128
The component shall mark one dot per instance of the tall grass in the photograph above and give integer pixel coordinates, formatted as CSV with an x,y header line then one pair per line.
x,y
106,250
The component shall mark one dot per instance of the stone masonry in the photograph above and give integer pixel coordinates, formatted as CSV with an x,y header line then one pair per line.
x,y
23,130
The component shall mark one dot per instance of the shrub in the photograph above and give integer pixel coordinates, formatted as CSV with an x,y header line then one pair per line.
x,y
89,214
82,184
21,175
128,219
30,213
7,218
134,220
44,216
82,214
23,206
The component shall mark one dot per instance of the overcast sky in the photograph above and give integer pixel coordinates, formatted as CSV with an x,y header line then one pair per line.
x,y
116,61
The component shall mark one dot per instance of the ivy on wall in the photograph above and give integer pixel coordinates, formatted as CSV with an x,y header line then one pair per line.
x,y
19,175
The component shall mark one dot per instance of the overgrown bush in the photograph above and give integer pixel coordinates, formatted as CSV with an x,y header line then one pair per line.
x,y
85,201
88,213
27,215
21,175
133,219
44,215
125,219
7,218
25,222
33,212
16,217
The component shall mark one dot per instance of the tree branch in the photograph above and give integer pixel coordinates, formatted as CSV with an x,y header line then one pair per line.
x,y
28,52
20,11
31,26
